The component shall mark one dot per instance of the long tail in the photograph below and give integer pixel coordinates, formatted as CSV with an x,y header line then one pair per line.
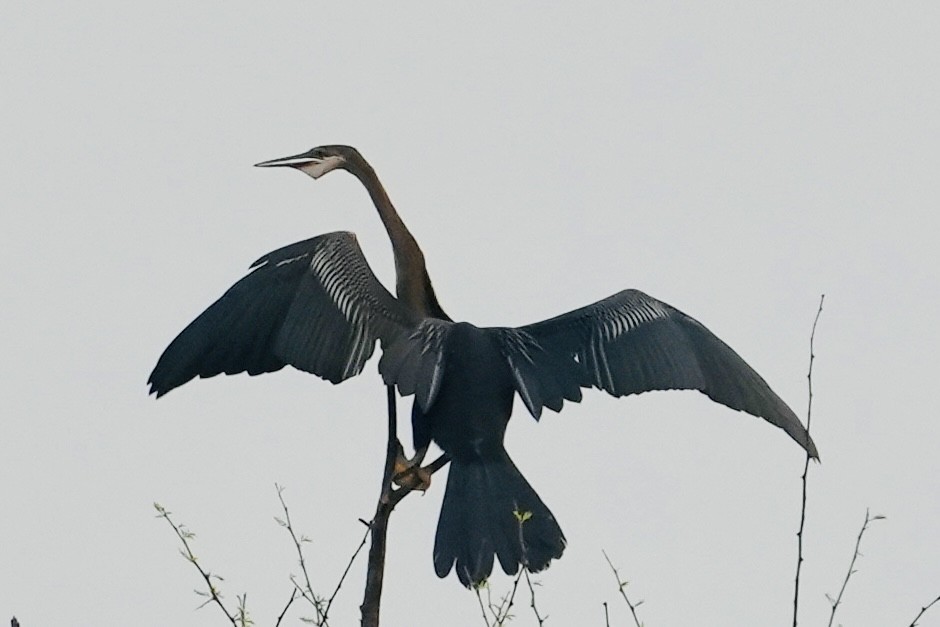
x,y
490,510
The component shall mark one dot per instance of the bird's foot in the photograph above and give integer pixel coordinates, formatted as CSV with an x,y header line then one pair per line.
x,y
408,473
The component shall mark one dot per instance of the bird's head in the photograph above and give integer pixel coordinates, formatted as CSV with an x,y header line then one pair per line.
x,y
317,161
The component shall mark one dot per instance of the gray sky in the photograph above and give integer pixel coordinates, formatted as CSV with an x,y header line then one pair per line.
x,y
735,162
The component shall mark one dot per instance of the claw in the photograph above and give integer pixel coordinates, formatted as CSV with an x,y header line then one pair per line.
x,y
408,473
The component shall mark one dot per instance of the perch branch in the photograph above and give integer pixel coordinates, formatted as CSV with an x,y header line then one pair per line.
x,y
389,497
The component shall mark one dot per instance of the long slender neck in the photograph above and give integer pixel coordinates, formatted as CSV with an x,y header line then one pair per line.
x,y
412,285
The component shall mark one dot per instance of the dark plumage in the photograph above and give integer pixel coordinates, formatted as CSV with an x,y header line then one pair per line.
x,y
316,305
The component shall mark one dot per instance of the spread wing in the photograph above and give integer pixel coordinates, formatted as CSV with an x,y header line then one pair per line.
x,y
631,343
314,305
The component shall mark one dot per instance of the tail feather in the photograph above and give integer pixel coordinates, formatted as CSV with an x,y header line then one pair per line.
x,y
490,511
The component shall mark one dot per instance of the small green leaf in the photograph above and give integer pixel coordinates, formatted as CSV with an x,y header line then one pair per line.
x,y
481,585
522,516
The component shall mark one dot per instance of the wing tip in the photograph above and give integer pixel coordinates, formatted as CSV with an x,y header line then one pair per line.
x,y
156,390
811,450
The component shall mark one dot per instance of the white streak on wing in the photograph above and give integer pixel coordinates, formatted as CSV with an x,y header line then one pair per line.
x,y
628,318
358,350
325,265
430,334
620,326
436,377
284,262
343,301
636,317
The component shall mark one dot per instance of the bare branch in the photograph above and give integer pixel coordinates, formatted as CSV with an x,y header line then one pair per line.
x,y
835,602
621,585
321,606
922,611
486,621
535,610
378,526
509,600
499,611
809,417
342,578
389,497
213,595
290,601
306,590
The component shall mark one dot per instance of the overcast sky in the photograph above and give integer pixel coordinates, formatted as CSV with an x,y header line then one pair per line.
x,y
733,161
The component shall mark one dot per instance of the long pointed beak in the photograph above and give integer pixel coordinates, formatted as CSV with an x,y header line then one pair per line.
x,y
295,161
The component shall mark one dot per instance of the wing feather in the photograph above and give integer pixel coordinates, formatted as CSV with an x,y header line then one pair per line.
x,y
542,378
314,305
631,343
415,363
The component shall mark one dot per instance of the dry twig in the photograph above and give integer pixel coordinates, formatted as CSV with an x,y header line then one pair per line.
x,y
621,584
290,601
535,609
321,606
377,528
239,619
809,417
500,612
922,611
835,602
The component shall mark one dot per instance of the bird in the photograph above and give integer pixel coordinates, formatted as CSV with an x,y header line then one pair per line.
x,y
317,306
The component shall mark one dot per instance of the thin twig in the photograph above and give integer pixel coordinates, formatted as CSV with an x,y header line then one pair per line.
x,y
500,612
496,611
306,590
606,616
509,601
342,578
535,610
321,606
290,601
922,611
835,602
486,621
621,585
809,417
184,536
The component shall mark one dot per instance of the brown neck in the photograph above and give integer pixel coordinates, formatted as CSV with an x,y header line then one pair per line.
x,y
413,285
